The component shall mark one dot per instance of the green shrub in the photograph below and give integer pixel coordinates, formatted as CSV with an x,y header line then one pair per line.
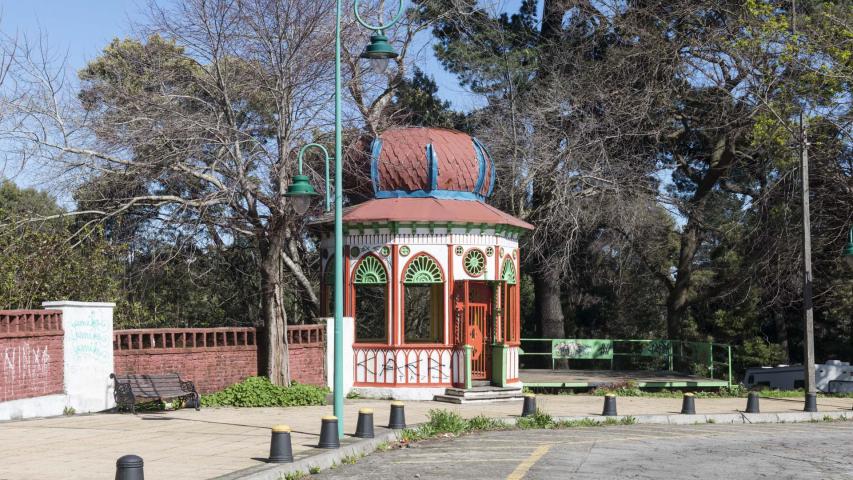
x,y
538,420
260,392
627,389
482,422
445,421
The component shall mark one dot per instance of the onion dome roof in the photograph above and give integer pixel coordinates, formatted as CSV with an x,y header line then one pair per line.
x,y
422,162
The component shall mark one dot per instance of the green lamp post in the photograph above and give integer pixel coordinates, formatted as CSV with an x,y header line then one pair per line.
x,y
300,191
379,52
848,250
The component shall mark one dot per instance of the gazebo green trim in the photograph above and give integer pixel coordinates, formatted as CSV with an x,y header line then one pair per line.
x,y
370,271
508,272
422,270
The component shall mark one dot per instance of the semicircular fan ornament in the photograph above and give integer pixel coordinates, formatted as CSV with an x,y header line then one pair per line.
x,y
370,272
423,269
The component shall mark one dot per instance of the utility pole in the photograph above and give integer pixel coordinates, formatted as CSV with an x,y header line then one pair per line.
x,y
808,308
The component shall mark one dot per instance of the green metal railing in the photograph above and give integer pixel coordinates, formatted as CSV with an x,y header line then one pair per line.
x,y
708,359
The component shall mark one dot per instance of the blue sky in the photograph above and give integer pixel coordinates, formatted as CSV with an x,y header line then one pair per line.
x,y
80,29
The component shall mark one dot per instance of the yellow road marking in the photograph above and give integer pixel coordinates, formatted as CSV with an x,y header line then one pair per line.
x,y
522,468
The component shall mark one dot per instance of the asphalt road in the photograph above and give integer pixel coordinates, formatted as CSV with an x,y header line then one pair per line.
x,y
801,451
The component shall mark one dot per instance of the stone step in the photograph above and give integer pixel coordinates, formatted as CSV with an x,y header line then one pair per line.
x,y
459,400
485,393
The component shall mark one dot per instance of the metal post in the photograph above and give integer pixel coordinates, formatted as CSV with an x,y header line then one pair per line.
x,y
671,365
808,309
729,348
711,366
339,235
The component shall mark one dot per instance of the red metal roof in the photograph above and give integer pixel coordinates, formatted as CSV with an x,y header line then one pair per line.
x,y
403,163
427,210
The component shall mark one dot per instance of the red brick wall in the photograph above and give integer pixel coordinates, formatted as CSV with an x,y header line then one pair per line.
x,y
214,358
31,353
307,364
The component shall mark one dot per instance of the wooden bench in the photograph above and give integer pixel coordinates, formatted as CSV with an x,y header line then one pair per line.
x,y
131,389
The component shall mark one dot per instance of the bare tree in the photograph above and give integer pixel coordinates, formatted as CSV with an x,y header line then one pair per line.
x,y
197,122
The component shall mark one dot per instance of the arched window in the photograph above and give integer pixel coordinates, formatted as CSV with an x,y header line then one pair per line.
x,y
370,284
510,312
423,301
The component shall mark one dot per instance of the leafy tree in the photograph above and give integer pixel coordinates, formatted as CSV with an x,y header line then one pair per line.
x,y
417,104
39,261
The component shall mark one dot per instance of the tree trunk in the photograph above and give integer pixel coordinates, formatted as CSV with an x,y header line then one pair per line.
x,y
676,301
272,309
548,305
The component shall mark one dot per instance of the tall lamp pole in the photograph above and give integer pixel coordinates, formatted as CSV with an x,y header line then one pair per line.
x,y
379,52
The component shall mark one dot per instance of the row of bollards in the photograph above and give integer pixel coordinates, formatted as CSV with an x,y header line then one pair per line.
x,y
688,404
280,446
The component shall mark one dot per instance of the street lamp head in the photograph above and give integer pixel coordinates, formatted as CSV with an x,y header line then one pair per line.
x,y
301,193
379,52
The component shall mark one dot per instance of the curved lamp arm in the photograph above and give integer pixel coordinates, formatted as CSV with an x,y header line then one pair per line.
x,y
378,27
326,159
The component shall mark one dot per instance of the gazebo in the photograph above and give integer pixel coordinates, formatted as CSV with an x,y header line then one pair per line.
x,y
431,272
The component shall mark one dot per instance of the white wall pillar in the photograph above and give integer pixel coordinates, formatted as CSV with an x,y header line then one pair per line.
x,y
349,339
88,346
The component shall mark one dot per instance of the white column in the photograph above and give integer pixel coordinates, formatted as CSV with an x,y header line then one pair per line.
x,y
88,346
349,339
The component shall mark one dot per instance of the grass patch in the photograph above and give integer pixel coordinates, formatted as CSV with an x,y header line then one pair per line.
x,y
539,420
445,422
542,420
314,470
630,389
297,475
260,392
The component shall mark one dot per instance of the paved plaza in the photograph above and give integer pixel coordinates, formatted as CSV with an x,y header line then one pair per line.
x,y
218,441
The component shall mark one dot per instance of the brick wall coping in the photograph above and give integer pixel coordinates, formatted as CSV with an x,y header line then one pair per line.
x,y
152,340
30,323
170,340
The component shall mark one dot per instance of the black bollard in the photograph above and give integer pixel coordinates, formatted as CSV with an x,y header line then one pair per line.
x,y
609,405
811,403
364,427
329,433
129,467
688,405
752,403
398,416
281,450
529,407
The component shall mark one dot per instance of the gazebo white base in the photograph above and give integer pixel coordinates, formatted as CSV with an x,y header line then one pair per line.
x,y
400,393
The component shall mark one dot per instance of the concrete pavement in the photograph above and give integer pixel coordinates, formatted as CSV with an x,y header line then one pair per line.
x,y
218,441
777,451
